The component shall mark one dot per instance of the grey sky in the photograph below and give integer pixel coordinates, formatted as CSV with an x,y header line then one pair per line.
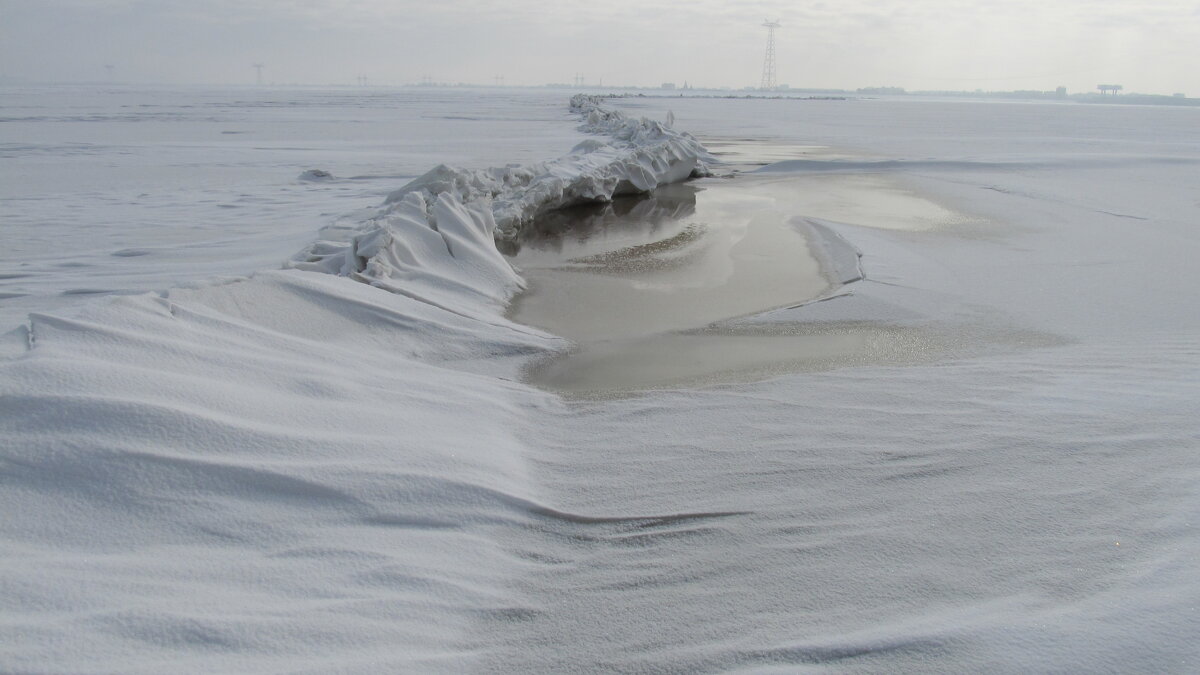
x,y
1150,46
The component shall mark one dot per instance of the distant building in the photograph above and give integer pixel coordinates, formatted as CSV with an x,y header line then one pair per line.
x,y
1179,94
895,91
1109,88
668,85
1061,92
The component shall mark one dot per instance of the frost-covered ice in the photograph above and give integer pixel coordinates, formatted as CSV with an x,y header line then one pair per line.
x,y
296,471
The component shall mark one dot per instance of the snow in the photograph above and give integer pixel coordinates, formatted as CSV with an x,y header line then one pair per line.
x,y
434,238
122,190
292,470
637,156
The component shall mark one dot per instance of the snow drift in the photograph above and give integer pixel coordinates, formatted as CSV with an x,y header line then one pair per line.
x,y
434,238
198,451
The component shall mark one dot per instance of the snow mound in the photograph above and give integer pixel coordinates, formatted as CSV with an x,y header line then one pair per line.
x,y
436,235
432,249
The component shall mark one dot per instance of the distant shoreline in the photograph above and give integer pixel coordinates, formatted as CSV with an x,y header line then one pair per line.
x,y
1046,97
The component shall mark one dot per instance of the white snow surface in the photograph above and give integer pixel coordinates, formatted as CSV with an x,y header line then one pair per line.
x,y
439,230
122,189
298,472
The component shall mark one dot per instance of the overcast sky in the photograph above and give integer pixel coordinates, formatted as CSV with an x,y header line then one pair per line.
x,y
1150,46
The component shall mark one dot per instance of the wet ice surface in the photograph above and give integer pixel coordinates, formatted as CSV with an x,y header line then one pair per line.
x,y
712,253
655,292
748,154
867,199
625,284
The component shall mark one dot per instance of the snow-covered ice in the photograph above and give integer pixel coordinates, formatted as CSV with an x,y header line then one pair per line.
x,y
128,190
336,466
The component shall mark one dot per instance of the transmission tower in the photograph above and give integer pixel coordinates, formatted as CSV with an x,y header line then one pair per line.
x,y
768,77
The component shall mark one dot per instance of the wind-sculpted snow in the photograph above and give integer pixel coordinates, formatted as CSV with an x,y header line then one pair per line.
x,y
436,234
263,475
338,470
429,247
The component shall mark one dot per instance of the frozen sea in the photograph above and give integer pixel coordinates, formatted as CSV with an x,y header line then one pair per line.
x,y
211,463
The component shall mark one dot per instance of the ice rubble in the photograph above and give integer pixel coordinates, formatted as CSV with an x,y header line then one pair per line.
x,y
435,237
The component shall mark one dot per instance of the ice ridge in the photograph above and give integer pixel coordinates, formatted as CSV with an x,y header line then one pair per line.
x,y
436,235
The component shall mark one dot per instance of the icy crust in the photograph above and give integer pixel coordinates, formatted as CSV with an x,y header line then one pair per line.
x,y
435,237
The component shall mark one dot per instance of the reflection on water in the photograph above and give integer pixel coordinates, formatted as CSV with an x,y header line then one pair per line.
x,y
637,285
626,218
680,260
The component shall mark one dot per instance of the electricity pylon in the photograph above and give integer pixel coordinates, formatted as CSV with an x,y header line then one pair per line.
x,y
768,75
